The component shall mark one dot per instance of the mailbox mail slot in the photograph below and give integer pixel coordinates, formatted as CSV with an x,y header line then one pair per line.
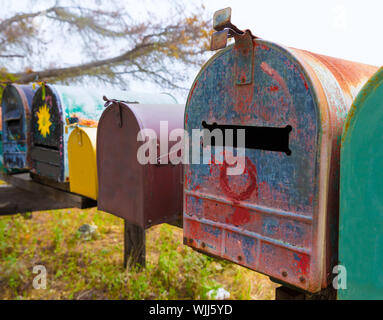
x,y
16,105
279,217
82,162
142,194
361,189
55,109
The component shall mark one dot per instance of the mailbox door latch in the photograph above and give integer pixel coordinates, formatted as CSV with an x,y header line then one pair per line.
x,y
243,48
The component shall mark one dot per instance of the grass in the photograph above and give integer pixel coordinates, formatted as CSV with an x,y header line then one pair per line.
x,y
92,269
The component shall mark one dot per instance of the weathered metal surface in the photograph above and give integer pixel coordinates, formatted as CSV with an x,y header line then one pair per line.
x,y
82,162
144,195
280,216
1,152
361,189
55,108
16,105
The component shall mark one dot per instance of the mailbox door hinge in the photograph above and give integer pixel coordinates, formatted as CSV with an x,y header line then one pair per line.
x,y
243,52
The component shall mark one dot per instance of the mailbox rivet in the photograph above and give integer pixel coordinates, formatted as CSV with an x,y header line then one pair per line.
x,y
284,273
302,279
149,221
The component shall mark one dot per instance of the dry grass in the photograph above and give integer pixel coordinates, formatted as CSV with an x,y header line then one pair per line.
x,y
92,269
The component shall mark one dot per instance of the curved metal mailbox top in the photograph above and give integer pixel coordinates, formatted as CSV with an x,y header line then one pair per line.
x,y
82,162
55,108
279,216
143,194
16,104
361,189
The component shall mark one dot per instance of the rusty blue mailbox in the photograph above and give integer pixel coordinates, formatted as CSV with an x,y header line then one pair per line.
x,y
16,105
280,216
55,109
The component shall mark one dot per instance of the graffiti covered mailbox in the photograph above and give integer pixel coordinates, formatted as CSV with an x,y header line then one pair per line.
x,y
82,153
279,216
361,201
55,110
16,104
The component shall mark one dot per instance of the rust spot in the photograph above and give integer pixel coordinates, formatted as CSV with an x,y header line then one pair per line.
x,y
350,75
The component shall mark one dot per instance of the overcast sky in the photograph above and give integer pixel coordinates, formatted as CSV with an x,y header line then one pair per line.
x,y
348,29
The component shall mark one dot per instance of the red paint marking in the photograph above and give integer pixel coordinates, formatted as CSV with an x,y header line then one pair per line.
x,y
303,264
273,88
194,228
276,76
241,216
192,91
251,170
304,80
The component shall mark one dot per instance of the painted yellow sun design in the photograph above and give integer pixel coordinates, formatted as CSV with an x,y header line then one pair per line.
x,y
44,120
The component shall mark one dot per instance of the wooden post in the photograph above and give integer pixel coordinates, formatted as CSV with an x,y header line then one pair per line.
x,y
134,245
49,196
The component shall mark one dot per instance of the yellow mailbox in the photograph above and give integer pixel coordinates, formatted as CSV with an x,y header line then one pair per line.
x,y
82,162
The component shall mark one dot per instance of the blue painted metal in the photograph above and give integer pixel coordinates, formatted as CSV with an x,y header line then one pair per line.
x,y
55,108
280,216
16,105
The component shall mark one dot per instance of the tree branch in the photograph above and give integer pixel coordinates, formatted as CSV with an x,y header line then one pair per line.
x,y
11,56
82,69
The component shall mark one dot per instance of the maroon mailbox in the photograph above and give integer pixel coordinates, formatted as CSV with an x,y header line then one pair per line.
x,y
142,194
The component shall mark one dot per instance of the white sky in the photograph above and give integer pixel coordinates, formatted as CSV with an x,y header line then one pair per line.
x,y
348,29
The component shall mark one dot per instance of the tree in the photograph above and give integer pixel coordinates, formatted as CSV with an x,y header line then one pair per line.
x,y
106,40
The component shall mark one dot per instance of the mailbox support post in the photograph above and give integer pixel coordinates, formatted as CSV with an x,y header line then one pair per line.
x,y
134,245
286,293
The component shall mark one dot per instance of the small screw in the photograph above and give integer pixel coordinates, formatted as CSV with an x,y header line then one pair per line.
x,y
284,273
149,221
302,279
239,258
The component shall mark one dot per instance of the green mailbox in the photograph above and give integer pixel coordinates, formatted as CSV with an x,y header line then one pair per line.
x,y
361,196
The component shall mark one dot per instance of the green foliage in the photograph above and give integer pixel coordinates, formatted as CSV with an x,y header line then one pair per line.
x,y
5,77
92,269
